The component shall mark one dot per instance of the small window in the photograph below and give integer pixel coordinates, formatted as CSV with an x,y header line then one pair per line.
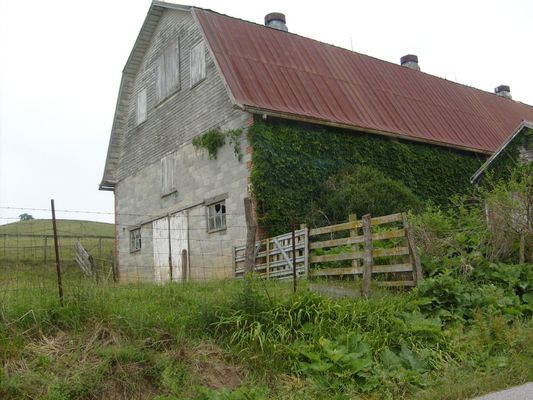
x,y
168,175
168,72
141,106
197,63
216,216
135,239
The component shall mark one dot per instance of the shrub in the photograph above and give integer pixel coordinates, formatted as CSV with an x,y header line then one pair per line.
x,y
361,190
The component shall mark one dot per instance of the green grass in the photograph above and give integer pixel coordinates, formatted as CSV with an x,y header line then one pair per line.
x,y
31,242
244,340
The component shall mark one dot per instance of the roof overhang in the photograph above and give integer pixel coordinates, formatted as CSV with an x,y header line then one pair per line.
x,y
479,172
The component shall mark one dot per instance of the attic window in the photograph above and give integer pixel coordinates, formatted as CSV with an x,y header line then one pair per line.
x,y
141,106
197,63
168,175
168,72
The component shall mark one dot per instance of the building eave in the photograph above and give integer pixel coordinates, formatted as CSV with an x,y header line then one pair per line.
x,y
521,126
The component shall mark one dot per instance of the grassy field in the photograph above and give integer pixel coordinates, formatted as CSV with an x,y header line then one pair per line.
x,y
31,242
249,340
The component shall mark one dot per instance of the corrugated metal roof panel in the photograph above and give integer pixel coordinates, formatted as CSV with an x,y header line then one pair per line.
x,y
271,70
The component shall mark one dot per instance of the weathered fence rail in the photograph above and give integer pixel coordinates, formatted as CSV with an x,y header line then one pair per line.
x,y
374,246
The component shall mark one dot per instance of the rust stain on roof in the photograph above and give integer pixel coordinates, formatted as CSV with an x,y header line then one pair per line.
x,y
291,75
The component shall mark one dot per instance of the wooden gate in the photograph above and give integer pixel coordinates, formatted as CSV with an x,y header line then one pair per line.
x,y
273,256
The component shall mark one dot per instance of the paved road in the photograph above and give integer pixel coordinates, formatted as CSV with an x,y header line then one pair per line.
x,y
524,392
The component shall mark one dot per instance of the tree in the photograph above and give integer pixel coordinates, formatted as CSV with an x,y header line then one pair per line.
x,y
26,217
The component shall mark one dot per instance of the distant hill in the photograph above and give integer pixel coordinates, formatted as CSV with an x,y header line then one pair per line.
x,y
64,227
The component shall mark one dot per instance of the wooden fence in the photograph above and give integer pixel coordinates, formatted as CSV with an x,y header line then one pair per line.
x,y
389,250
379,248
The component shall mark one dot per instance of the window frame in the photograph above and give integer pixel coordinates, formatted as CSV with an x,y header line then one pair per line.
x,y
216,216
135,240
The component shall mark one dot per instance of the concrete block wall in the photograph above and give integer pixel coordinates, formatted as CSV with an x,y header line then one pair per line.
x,y
139,202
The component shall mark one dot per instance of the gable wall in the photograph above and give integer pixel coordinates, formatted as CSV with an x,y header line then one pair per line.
x,y
183,115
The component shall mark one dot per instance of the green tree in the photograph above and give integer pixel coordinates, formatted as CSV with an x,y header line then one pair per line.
x,y
26,217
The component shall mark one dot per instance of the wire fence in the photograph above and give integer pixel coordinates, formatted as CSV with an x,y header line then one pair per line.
x,y
28,262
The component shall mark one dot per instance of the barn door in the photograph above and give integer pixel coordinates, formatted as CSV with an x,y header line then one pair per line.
x,y
171,237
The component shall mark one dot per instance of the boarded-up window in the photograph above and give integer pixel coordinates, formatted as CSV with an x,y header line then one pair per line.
x,y
141,106
168,175
168,72
197,63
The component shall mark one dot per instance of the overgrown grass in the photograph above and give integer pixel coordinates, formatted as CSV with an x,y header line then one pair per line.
x,y
251,340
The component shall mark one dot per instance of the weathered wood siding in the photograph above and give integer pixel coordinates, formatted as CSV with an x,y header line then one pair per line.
x,y
183,114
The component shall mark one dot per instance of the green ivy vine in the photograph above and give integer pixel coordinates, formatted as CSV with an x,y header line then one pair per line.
x,y
214,139
292,160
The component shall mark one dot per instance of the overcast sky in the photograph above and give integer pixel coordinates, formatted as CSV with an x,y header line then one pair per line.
x,y
61,63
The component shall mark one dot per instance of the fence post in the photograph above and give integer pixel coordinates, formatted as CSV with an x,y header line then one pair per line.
x,y
306,249
417,266
293,223
56,245
184,265
353,234
368,260
251,229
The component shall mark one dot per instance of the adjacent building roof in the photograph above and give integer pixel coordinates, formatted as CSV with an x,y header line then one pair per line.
x,y
283,74
521,127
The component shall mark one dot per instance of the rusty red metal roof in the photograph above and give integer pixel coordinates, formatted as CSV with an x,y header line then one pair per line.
x,y
296,77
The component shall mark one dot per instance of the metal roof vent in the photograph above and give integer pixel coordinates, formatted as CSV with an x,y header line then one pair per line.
x,y
277,21
410,61
503,91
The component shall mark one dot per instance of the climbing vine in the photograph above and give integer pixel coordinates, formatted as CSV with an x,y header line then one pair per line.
x,y
214,139
292,160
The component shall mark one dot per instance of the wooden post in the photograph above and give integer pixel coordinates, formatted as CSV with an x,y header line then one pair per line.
x,y
184,265
368,260
417,265
306,249
56,246
268,258
353,233
251,229
293,253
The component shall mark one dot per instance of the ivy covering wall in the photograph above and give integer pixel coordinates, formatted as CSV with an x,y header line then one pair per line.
x,y
292,160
